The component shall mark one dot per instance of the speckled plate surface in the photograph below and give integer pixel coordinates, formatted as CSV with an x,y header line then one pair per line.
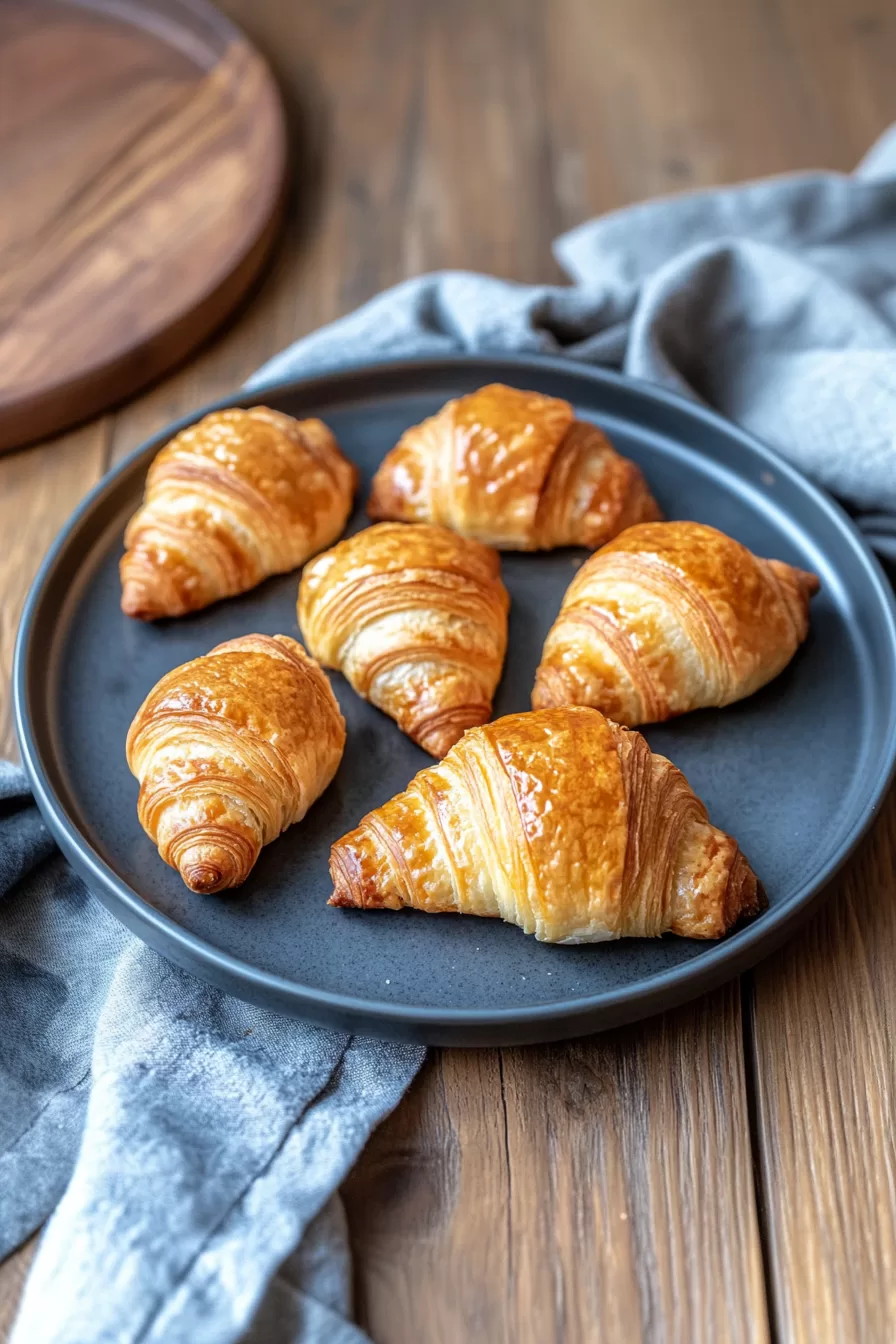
x,y
796,772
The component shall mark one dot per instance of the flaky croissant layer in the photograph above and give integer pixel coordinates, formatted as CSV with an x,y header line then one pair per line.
x,y
560,822
671,617
233,499
513,469
415,617
230,749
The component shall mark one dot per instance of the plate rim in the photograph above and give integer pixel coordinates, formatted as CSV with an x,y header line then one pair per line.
x,y
551,1021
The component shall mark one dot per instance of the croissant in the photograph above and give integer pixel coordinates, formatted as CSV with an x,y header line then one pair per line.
x,y
560,822
415,617
671,617
514,469
230,749
233,499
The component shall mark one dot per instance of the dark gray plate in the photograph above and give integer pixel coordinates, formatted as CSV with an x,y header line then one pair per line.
x,y
796,772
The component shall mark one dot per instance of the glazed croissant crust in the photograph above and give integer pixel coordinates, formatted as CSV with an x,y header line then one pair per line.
x,y
229,501
230,749
415,617
560,822
514,469
671,617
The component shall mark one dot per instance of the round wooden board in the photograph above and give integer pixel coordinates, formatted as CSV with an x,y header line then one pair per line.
x,y
143,152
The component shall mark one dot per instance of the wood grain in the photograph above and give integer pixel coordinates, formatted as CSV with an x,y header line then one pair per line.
x,y
598,1190
13,1272
601,1190
824,1027
38,490
146,159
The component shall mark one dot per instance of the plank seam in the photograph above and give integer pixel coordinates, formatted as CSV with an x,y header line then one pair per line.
x,y
108,432
509,1233
754,1131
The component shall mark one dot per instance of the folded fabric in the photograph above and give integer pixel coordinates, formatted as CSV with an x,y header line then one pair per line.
x,y
194,1144
191,1141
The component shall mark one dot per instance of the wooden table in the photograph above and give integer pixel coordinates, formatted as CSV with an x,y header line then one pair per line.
x,y
726,1172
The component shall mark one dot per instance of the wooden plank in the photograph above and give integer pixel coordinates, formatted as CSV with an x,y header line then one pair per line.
x,y
824,1011
13,1271
38,490
824,1026
438,1160
596,1190
647,97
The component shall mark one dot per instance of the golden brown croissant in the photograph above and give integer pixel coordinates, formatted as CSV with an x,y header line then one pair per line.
x,y
230,749
560,822
233,499
514,469
415,617
671,617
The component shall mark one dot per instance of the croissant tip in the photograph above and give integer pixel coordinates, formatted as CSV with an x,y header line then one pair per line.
x,y
746,896
135,603
443,731
439,744
375,508
207,871
809,582
355,886
205,878
801,582
541,696
142,599
343,865
553,689
385,505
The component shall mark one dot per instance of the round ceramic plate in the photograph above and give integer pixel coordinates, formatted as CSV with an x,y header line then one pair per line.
x,y
796,772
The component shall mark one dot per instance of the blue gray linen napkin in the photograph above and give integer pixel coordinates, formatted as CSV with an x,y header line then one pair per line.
x,y
189,1142
192,1146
